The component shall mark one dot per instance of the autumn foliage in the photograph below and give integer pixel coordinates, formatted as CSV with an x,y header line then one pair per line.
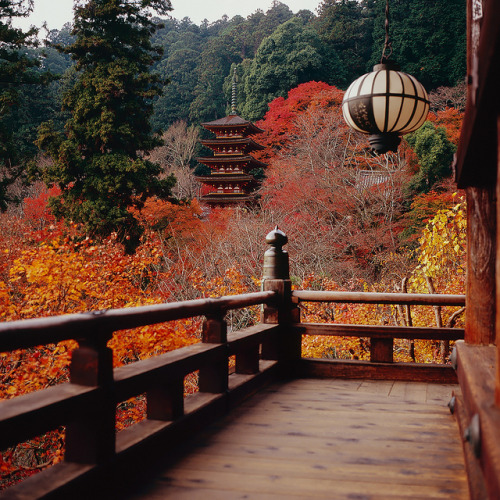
x,y
349,224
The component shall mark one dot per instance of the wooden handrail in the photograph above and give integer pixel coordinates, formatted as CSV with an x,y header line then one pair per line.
x,y
381,331
87,405
415,299
381,336
32,332
26,416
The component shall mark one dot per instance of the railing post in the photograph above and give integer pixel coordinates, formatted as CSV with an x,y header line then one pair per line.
x,y
214,378
165,401
91,438
286,347
247,361
381,350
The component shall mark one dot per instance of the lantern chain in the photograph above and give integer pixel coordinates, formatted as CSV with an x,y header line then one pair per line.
x,y
387,44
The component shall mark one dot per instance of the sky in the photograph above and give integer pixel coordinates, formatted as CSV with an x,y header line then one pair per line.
x,y
58,12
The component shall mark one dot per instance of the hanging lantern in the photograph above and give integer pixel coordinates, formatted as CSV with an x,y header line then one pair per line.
x,y
386,103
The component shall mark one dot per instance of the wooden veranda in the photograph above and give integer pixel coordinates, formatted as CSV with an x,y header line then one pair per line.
x,y
394,434
324,438
391,440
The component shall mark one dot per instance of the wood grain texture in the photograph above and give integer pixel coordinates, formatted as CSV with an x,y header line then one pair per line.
x,y
33,332
476,372
325,439
381,331
378,298
354,369
481,255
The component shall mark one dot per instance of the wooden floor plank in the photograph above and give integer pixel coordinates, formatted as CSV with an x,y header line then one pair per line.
x,y
382,387
336,450
409,391
437,393
300,487
306,439
343,469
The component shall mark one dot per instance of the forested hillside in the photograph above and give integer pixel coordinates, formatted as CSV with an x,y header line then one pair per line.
x,y
97,125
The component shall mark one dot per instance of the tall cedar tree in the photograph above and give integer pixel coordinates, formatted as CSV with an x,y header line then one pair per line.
x,y
17,69
428,38
99,162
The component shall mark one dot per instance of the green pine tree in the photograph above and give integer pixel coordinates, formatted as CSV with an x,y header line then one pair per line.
x,y
428,38
435,155
17,70
99,163
293,54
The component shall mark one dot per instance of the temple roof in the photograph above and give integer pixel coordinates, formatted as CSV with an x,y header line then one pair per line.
x,y
227,198
229,140
232,121
230,159
225,178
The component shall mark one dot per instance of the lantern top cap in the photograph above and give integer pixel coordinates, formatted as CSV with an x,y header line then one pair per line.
x,y
387,66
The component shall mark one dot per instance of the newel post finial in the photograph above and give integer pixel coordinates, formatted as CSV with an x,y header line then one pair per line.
x,y
285,345
276,264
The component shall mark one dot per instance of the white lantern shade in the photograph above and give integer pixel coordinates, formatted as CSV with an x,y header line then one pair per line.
x,y
385,101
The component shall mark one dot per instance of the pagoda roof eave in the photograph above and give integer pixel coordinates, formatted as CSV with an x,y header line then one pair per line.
x,y
224,198
216,142
230,159
232,121
225,178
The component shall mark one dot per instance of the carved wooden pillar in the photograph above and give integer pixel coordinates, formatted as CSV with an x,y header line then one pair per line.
x,y
91,438
481,256
286,347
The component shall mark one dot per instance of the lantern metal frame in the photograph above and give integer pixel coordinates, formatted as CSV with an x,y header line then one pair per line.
x,y
385,103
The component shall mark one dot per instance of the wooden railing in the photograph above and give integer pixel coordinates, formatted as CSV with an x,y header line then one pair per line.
x,y
86,406
381,337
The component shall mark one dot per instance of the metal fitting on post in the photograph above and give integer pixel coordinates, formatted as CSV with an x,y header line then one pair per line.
x,y
473,435
454,358
452,404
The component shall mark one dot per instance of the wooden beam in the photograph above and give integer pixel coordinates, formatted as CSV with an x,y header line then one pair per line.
x,y
352,369
382,350
250,336
378,298
33,332
497,326
481,258
476,153
135,378
475,478
381,332
476,369
33,414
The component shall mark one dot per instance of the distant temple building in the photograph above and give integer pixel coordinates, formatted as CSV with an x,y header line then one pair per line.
x,y
231,180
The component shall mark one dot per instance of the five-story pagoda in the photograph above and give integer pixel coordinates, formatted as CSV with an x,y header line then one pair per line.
x,y
231,180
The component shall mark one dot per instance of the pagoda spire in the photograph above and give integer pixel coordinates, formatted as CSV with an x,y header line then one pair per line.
x,y
233,95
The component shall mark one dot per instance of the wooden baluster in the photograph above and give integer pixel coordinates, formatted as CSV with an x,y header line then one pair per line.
x,y
285,347
247,361
91,438
409,319
214,377
165,401
381,350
